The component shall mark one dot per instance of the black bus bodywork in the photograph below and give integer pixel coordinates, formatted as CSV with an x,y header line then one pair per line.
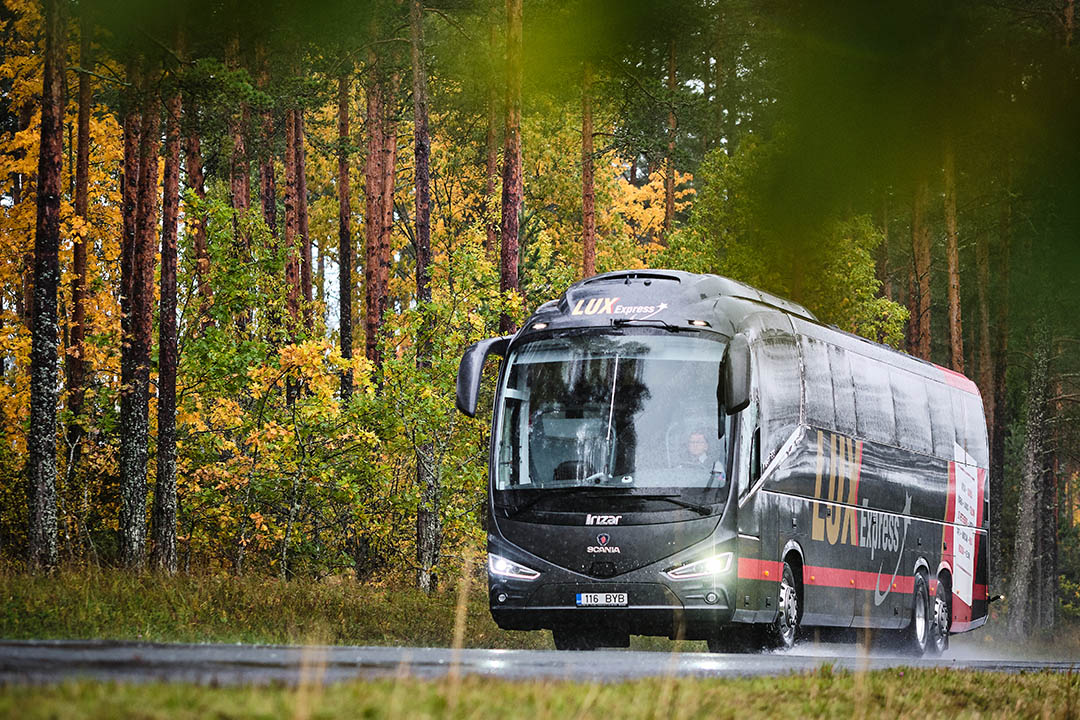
x,y
683,455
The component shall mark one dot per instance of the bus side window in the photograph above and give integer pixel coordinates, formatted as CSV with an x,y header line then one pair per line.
x,y
941,419
843,389
749,456
873,399
912,413
755,457
975,430
818,384
780,390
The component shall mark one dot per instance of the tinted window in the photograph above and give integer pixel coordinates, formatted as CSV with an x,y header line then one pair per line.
x,y
975,429
912,412
843,391
873,399
818,384
941,420
779,388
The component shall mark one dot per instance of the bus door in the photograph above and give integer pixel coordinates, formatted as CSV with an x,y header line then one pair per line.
x,y
757,572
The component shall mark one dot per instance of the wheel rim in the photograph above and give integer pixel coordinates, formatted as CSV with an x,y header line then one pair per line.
x,y
941,622
920,619
789,609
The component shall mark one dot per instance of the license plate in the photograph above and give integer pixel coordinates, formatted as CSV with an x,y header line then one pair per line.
x,y
601,599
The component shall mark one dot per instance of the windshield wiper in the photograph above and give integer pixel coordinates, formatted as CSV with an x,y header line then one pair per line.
x,y
649,322
547,495
674,499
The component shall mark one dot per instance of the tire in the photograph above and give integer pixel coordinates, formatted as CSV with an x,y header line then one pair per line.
x,y
916,636
782,632
940,620
574,639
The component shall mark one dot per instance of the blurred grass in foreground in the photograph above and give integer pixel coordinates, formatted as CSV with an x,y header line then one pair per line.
x,y
892,693
97,603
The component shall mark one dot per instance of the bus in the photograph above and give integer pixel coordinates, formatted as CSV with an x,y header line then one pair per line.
x,y
684,455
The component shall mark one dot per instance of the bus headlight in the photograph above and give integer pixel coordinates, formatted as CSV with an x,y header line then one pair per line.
x,y
714,565
500,566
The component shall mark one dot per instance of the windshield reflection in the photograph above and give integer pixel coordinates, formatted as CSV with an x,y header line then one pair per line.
x,y
605,412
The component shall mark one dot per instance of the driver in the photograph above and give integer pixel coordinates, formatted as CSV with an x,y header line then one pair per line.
x,y
698,456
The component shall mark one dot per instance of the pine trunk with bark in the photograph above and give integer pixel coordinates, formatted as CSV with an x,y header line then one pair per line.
x,y
292,225
135,427
491,160
304,238
345,247
44,359
163,518
512,189
197,223
999,429
428,520
75,362
669,159
1025,590
374,295
952,252
920,244
239,169
267,183
588,186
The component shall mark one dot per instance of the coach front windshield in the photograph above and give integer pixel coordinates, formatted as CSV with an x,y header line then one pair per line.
x,y
633,411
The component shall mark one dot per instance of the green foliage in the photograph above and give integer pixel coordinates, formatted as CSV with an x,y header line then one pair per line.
x,y
830,269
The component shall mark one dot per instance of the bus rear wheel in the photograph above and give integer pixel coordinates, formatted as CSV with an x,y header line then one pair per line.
x,y
916,637
782,632
939,624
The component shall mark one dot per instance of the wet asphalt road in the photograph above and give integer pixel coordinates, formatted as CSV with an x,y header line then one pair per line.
x,y
51,661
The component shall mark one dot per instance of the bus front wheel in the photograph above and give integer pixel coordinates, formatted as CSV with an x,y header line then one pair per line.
x,y
782,632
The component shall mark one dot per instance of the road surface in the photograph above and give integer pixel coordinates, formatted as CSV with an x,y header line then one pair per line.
x,y
51,661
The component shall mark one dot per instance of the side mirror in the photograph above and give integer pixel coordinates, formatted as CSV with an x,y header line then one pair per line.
x,y
736,373
472,365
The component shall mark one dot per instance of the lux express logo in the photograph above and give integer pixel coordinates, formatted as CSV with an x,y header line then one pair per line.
x,y
603,547
611,306
841,520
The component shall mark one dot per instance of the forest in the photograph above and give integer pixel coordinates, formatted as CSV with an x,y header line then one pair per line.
x,y
243,246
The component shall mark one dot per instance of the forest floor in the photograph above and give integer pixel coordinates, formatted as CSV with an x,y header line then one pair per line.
x,y
208,607
895,693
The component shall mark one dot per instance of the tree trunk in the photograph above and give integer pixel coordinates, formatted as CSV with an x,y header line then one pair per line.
x,y
134,429
76,367
588,189
44,359
1025,588
267,185
669,159
197,222
345,249
292,224
884,270
512,189
163,521
428,521
239,170
986,387
1000,425
920,243
374,297
956,337
302,218
491,157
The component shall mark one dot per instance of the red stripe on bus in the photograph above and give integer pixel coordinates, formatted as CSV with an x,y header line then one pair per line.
x,y
857,579
959,380
754,569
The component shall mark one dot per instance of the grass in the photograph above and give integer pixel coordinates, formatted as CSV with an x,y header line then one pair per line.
x,y
889,693
94,603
